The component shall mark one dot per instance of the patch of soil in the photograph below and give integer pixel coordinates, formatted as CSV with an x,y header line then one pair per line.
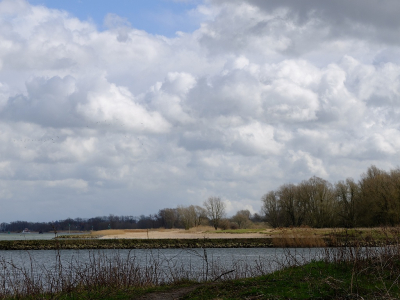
x,y
170,295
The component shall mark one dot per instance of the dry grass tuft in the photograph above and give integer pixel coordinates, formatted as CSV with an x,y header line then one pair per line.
x,y
201,228
298,237
115,231
107,232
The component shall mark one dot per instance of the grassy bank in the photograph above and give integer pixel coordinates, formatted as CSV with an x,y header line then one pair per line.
x,y
316,280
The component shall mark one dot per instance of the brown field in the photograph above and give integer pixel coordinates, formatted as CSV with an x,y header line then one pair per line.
x,y
210,233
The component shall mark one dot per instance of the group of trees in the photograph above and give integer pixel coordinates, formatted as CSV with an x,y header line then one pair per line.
x,y
193,215
212,213
372,201
77,224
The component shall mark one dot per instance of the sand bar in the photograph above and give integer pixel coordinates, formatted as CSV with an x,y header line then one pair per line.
x,y
174,234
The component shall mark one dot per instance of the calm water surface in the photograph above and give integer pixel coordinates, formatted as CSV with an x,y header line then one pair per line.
x,y
185,257
29,236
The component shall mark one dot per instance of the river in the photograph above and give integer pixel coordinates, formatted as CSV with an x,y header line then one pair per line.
x,y
30,236
146,265
226,256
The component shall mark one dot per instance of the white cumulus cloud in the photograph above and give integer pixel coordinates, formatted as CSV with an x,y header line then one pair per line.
x,y
262,93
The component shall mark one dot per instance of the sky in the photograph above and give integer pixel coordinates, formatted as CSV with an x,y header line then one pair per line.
x,y
131,107
159,17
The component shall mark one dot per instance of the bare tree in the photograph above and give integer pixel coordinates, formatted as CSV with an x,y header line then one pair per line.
x,y
318,197
168,217
293,210
380,197
201,215
187,215
348,200
271,208
242,218
191,216
215,210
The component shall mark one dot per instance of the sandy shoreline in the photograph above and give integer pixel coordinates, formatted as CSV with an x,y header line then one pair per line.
x,y
208,232
177,234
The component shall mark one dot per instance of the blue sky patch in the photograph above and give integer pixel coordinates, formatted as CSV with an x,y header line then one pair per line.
x,y
163,17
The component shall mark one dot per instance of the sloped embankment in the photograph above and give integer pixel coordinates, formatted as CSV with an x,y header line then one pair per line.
x,y
186,243
135,244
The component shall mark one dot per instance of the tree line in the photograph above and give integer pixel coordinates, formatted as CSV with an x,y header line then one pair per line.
x,y
213,212
374,200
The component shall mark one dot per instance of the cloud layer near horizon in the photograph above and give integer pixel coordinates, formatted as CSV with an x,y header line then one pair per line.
x,y
125,122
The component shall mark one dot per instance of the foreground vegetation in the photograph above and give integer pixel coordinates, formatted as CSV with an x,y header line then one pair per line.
x,y
351,273
316,280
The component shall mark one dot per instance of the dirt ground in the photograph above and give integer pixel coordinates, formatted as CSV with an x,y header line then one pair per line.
x,y
170,295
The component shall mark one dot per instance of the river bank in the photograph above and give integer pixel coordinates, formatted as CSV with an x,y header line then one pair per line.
x,y
206,238
75,244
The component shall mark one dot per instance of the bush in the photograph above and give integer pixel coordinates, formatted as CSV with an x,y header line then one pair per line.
x,y
224,224
234,225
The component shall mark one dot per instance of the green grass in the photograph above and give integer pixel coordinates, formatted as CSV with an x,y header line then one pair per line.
x,y
317,280
366,234
248,230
